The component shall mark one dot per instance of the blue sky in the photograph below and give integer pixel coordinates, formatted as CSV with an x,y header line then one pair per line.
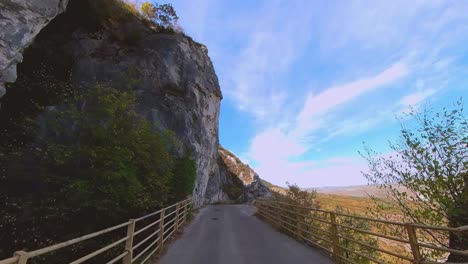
x,y
305,83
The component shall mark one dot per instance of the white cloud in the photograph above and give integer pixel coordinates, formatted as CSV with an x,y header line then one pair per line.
x,y
334,96
276,151
339,171
417,97
274,145
418,34
258,51
275,40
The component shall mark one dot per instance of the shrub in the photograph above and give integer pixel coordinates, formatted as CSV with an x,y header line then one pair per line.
x,y
148,10
184,177
164,16
351,235
296,197
233,191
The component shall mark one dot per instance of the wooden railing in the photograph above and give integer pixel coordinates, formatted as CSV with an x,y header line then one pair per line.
x,y
156,229
326,230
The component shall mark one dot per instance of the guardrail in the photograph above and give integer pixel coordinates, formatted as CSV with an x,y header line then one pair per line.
x,y
158,230
329,234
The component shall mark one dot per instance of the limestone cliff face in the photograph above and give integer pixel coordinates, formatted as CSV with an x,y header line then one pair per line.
x,y
173,77
20,22
252,184
176,86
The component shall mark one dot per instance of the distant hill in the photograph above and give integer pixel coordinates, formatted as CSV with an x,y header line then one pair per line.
x,y
356,191
274,188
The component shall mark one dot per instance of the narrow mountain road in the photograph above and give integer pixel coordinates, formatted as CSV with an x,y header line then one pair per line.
x,y
231,234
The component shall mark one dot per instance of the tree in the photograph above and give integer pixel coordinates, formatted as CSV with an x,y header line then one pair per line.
x,y
303,198
163,16
431,162
148,10
296,207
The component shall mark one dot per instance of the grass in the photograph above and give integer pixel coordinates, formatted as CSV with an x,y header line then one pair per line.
x,y
357,205
360,206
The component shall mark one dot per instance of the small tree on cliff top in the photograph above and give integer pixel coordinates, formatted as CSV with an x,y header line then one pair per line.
x,y
431,161
163,15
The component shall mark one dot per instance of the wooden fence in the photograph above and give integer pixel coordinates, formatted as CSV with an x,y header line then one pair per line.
x,y
158,227
326,230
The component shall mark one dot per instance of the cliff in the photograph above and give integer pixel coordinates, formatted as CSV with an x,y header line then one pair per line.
x,y
251,184
172,75
21,21
177,89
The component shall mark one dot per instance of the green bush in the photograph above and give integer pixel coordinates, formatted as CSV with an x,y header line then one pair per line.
x,y
163,16
184,177
233,191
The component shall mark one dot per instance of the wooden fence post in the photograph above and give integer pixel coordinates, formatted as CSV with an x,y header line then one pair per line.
x,y
298,224
23,257
266,214
269,213
184,216
177,217
161,228
337,252
277,211
260,210
413,243
129,243
272,214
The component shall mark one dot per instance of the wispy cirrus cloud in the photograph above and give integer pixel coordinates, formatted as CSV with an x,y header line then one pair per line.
x,y
319,104
275,40
417,97
276,150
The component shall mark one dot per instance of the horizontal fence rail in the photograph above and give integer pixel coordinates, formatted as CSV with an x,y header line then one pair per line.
x,y
330,231
144,236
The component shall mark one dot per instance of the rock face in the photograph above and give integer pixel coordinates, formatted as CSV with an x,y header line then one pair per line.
x,y
172,75
253,186
20,22
176,86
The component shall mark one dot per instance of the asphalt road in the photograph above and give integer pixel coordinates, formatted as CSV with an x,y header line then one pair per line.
x,y
231,234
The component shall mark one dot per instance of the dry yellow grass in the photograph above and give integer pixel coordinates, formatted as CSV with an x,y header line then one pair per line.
x,y
353,204
360,206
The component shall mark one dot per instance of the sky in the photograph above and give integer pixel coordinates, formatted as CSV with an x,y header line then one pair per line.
x,y
307,83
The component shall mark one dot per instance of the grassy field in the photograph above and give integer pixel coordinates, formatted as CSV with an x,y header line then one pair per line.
x,y
355,201
358,205
354,204
361,205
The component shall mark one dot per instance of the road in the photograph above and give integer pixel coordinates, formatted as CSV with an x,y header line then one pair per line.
x,y
231,234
